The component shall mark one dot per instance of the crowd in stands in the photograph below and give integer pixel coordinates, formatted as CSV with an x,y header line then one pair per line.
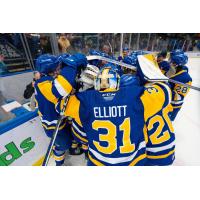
x,y
11,45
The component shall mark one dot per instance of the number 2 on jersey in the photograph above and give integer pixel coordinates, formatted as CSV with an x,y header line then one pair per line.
x,y
159,136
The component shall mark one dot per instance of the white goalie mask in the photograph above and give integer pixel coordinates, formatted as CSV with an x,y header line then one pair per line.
x,y
88,76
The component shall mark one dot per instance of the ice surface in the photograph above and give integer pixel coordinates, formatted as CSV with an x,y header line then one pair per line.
x,y
187,123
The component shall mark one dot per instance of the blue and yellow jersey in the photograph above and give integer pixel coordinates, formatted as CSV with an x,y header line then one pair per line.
x,y
179,91
156,101
49,91
160,143
46,101
111,124
62,85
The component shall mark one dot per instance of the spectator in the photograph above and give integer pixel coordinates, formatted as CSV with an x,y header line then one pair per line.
x,y
63,43
45,45
106,49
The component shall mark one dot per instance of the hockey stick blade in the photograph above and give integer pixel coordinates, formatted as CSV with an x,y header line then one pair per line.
x,y
153,73
149,69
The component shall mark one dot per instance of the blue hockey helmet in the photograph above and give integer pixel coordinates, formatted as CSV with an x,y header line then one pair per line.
x,y
93,52
130,59
139,52
105,55
125,49
63,56
107,79
178,57
47,63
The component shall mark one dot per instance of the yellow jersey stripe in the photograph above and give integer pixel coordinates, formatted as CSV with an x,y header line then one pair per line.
x,y
59,158
161,156
133,163
96,162
46,90
78,136
53,127
84,147
182,71
146,138
141,157
177,106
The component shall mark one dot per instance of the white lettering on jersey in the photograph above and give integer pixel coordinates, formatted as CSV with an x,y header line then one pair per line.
x,y
111,111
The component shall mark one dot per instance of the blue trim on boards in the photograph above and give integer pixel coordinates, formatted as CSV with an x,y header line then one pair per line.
x,y
16,73
13,123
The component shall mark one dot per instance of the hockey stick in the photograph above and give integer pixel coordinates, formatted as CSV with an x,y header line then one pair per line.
x,y
55,132
151,69
111,61
153,73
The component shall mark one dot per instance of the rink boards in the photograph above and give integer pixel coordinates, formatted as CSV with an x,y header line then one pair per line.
x,y
22,141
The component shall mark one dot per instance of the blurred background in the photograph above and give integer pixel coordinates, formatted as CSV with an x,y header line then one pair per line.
x,y
18,51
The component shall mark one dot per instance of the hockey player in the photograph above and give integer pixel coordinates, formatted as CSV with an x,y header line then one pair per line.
x,y
111,120
55,84
125,52
129,77
178,60
163,64
160,145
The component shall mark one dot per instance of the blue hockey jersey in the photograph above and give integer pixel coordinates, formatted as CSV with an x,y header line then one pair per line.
x,y
179,91
111,125
127,127
48,92
161,139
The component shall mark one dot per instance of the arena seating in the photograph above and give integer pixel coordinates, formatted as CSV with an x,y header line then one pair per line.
x,y
14,58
